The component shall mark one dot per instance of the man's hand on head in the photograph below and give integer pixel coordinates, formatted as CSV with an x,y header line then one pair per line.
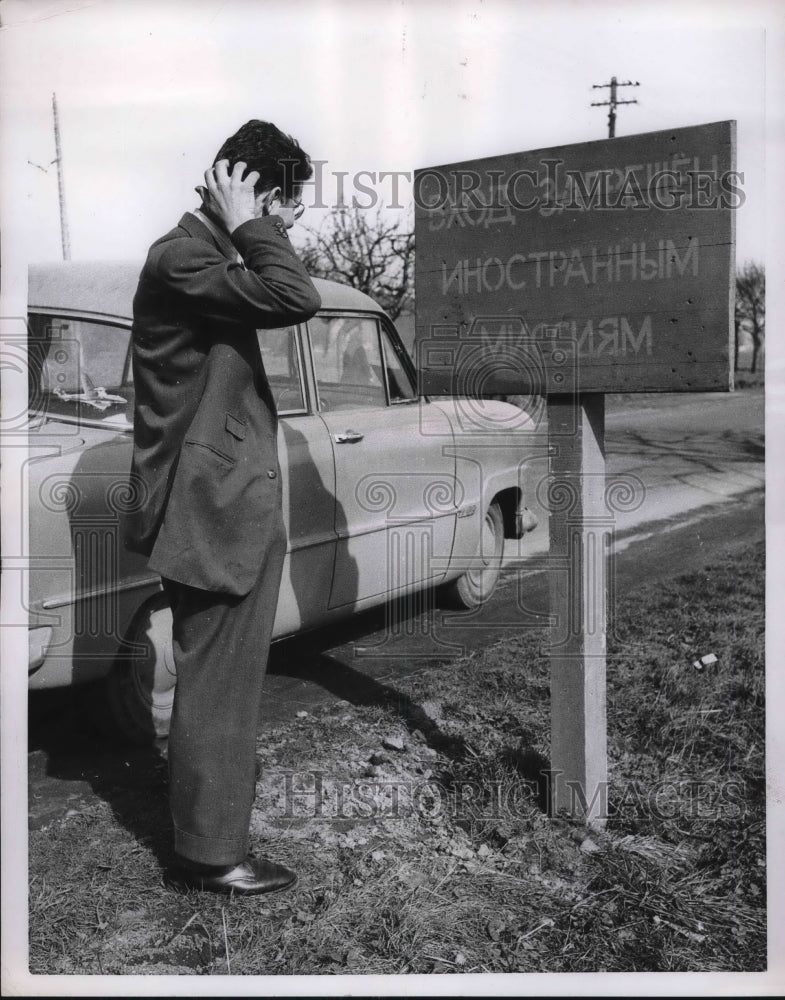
x,y
230,198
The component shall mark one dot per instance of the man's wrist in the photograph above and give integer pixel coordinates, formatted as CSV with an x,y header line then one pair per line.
x,y
238,220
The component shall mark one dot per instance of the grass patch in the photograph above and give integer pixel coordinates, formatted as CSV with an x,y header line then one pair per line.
x,y
421,845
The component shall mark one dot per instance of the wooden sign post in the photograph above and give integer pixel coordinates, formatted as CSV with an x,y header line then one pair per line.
x,y
570,273
579,535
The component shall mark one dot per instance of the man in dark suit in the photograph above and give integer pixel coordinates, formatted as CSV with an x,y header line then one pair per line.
x,y
205,448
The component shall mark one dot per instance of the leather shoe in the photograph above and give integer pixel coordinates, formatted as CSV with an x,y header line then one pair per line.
x,y
250,877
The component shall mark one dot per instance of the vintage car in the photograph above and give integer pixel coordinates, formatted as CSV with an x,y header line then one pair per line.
x,y
385,492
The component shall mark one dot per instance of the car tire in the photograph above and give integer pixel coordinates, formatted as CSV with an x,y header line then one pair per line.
x,y
477,584
140,686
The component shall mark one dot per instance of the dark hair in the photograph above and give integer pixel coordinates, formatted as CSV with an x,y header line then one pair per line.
x,y
280,160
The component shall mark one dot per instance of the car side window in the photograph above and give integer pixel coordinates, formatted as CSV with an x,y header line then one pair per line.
x,y
282,363
347,362
79,368
399,383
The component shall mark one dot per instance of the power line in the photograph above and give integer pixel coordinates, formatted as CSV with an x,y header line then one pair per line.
x,y
613,102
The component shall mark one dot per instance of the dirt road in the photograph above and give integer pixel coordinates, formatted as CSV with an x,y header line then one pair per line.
x,y
678,453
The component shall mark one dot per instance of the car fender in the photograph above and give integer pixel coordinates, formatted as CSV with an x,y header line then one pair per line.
x,y
84,585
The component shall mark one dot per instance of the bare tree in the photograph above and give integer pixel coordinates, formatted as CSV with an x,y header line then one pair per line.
x,y
750,311
374,254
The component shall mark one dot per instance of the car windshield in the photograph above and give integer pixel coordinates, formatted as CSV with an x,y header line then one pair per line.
x,y
79,368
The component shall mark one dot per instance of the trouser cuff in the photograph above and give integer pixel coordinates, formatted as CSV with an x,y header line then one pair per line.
x,y
210,850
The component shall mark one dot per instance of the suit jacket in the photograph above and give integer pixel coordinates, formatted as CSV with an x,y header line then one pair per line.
x,y
205,462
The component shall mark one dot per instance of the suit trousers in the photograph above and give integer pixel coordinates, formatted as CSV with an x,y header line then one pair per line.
x,y
221,644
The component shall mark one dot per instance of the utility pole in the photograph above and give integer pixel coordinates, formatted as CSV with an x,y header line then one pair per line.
x,y
613,102
64,237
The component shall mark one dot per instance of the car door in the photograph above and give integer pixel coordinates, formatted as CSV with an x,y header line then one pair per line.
x,y
308,485
394,463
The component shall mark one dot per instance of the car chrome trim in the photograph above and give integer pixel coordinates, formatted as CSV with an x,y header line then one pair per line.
x,y
66,418
86,595
344,536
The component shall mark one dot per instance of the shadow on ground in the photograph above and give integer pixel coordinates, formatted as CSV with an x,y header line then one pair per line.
x,y
345,682
73,761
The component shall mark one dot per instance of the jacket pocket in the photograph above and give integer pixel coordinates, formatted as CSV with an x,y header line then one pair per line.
x,y
212,451
219,439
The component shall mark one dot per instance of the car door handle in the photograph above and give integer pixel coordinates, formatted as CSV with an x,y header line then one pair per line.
x,y
347,437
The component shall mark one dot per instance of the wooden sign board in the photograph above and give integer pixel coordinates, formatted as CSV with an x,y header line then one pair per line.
x,y
598,267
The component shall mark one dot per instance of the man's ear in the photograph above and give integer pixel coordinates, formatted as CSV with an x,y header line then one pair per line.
x,y
267,198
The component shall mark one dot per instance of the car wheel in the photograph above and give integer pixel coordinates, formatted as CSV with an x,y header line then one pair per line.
x,y
140,686
477,584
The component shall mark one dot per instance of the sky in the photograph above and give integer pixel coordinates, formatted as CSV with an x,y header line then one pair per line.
x,y
148,91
